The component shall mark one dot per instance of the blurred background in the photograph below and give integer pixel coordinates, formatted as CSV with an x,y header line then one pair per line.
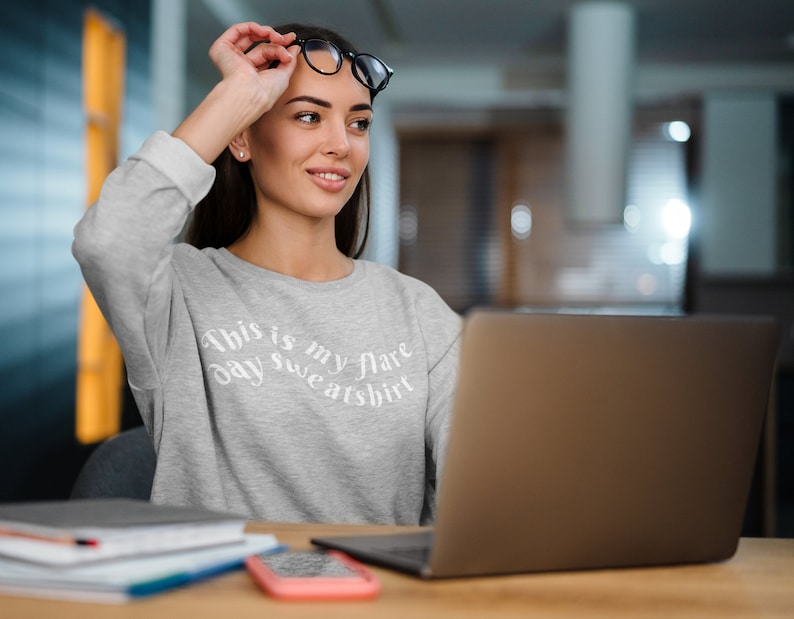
x,y
622,157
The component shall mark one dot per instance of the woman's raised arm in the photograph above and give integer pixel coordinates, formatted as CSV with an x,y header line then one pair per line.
x,y
248,87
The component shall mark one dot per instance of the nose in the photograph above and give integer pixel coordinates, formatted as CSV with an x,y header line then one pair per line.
x,y
337,142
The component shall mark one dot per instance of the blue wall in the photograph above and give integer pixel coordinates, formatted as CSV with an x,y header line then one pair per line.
x,y
42,195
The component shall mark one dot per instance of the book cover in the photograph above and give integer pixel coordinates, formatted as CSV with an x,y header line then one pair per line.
x,y
68,532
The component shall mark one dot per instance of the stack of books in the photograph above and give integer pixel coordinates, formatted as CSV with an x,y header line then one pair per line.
x,y
116,550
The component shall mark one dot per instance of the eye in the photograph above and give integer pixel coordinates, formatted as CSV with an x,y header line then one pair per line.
x,y
310,118
362,124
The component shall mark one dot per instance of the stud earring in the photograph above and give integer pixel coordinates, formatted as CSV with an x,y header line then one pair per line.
x,y
242,154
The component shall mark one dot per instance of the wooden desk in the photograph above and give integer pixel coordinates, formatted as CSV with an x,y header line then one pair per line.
x,y
757,582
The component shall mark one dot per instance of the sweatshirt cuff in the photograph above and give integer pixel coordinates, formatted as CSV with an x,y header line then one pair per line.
x,y
178,162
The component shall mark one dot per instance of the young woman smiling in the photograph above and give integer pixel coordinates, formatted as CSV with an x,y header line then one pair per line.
x,y
279,375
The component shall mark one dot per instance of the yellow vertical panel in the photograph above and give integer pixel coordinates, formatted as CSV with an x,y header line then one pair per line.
x,y
99,361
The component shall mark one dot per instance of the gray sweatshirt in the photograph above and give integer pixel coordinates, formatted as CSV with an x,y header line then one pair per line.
x,y
271,396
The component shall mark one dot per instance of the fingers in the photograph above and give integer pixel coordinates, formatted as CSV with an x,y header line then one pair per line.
x,y
272,48
250,36
263,44
287,68
243,35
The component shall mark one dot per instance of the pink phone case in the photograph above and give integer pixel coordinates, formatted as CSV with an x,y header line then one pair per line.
x,y
363,584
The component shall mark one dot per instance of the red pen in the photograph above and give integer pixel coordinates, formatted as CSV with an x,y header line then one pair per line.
x,y
46,538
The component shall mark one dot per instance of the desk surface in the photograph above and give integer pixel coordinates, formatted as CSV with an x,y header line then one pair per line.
x,y
757,582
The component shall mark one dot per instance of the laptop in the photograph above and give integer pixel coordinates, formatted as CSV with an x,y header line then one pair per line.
x,y
585,441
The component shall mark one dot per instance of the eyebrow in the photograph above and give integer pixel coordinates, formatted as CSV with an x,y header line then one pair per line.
x,y
322,103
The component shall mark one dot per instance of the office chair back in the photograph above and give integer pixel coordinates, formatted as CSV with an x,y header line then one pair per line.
x,y
120,467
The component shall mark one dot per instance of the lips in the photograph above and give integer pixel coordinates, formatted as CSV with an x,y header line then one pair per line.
x,y
330,179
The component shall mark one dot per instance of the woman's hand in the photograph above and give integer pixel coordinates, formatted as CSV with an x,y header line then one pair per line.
x,y
253,68
248,86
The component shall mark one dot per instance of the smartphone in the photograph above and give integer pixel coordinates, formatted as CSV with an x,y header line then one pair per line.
x,y
313,575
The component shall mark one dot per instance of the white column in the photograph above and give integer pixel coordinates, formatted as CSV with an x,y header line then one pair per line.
x,y
384,169
600,86
738,187
169,61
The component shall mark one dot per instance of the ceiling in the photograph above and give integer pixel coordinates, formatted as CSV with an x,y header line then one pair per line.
x,y
746,39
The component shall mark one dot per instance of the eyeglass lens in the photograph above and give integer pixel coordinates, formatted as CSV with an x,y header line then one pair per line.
x,y
322,57
371,71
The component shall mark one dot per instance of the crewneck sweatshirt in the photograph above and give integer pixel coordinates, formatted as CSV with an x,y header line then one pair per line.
x,y
266,395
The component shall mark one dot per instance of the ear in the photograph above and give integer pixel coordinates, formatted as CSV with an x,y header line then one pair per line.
x,y
239,147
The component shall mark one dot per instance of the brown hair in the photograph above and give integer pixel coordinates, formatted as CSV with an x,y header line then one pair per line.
x,y
227,211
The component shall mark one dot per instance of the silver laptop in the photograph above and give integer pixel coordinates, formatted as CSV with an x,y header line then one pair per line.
x,y
592,441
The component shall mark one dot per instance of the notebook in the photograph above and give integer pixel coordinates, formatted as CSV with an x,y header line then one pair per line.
x,y
583,441
87,530
129,578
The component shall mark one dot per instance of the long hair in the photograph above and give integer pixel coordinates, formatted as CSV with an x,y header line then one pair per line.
x,y
228,210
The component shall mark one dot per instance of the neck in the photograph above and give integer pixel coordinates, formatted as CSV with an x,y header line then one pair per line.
x,y
309,255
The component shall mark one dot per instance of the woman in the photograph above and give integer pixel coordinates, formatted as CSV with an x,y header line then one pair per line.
x,y
278,375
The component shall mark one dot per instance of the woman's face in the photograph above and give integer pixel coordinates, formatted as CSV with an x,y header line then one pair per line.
x,y
309,151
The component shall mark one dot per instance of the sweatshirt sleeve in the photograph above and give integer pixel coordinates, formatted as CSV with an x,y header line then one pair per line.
x,y
441,328
124,244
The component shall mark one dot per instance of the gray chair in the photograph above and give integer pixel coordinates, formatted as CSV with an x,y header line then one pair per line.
x,y
120,467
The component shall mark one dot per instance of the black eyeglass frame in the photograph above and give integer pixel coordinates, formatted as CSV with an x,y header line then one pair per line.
x,y
341,55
